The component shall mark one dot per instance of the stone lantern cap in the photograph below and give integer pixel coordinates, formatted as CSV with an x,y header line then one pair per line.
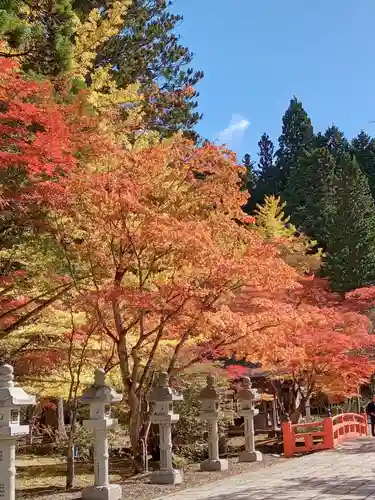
x,y
99,392
10,395
210,391
162,391
247,393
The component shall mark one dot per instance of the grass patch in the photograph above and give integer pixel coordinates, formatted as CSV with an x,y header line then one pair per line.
x,y
45,474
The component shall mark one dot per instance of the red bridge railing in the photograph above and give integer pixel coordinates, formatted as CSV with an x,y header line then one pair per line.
x,y
325,434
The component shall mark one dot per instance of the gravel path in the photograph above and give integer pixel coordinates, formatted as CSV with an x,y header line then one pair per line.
x,y
138,488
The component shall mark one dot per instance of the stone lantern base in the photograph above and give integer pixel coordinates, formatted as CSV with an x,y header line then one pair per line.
x,y
110,492
214,465
250,456
174,476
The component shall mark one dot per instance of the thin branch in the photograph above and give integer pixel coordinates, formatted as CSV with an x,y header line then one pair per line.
x,y
37,310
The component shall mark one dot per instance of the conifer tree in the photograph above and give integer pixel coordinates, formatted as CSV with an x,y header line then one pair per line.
x,y
39,34
251,175
298,251
249,182
363,147
310,193
266,174
311,185
336,142
350,259
271,217
143,49
147,50
267,171
297,133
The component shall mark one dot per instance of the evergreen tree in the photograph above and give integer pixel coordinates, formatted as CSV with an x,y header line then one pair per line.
x,y
297,133
310,193
147,50
266,175
38,33
336,142
250,180
350,259
267,170
363,147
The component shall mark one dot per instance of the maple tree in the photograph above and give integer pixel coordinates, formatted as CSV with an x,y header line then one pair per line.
x,y
153,232
323,345
42,135
149,245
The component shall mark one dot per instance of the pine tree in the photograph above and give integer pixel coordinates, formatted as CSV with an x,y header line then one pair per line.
x,y
267,171
251,176
310,193
249,182
147,50
350,259
336,142
266,175
39,33
144,49
297,133
363,147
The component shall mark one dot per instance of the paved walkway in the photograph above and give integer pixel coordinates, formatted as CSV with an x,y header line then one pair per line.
x,y
346,473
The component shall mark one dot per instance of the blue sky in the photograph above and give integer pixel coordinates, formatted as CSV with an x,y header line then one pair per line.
x,y
257,53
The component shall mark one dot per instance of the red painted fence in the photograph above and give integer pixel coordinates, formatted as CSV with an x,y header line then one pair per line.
x,y
322,435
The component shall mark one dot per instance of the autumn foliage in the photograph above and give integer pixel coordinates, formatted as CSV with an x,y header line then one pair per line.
x,y
40,136
154,251
322,342
44,135
154,233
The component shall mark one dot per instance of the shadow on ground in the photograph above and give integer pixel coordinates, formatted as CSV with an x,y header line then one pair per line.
x,y
337,488
333,480
355,447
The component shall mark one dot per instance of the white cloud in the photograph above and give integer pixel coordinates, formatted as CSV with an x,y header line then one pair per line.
x,y
235,130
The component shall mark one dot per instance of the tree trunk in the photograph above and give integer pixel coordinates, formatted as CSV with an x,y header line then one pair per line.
x,y
139,433
137,445
60,418
298,409
70,472
135,432
295,416
138,411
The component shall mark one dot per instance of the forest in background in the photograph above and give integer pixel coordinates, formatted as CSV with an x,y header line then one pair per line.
x,y
328,185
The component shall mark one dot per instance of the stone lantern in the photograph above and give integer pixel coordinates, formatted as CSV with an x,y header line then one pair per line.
x,y
211,413
100,397
12,399
163,397
247,399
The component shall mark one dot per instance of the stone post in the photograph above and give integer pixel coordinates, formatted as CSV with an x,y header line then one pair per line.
x,y
12,398
247,398
211,412
99,397
163,396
